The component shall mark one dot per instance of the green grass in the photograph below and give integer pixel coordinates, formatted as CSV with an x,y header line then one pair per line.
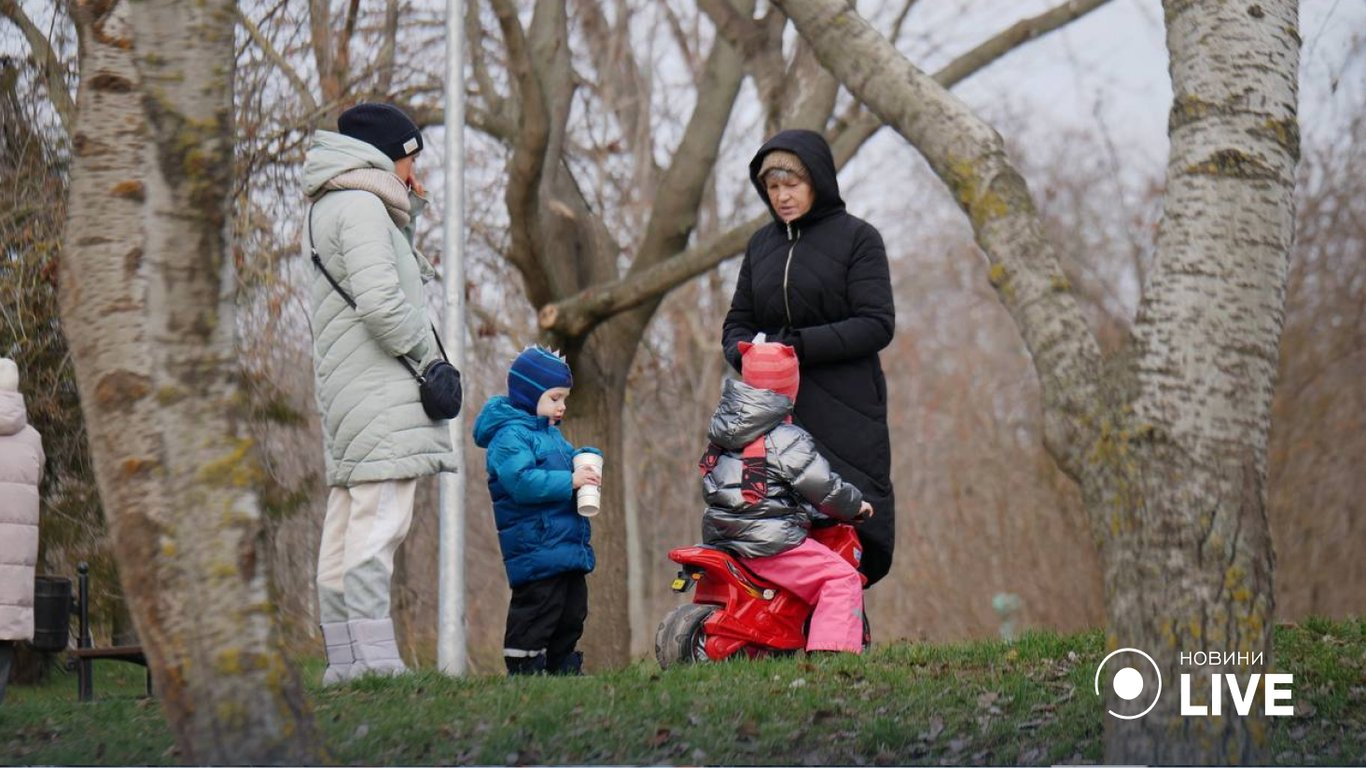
x,y
988,702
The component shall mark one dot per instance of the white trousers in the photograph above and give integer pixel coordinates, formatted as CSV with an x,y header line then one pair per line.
x,y
364,527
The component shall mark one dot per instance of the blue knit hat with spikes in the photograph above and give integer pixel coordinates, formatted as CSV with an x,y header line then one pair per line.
x,y
536,370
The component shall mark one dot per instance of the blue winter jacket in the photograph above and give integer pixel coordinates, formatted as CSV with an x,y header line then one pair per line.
x,y
531,480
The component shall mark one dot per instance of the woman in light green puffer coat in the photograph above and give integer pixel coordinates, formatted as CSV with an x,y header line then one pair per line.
x,y
377,438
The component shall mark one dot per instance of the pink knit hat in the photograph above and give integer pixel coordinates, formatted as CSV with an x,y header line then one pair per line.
x,y
768,365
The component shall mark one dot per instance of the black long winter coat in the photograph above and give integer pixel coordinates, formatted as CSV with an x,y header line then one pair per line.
x,y
821,284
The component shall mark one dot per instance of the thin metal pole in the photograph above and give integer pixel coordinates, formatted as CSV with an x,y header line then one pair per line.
x,y
450,633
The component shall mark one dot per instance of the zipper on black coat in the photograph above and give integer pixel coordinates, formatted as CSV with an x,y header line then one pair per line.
x,y
787,268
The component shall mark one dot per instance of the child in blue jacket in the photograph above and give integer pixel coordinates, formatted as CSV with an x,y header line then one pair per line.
x,y
545,542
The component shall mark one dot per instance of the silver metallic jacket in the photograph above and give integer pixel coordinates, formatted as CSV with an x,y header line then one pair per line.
x,y
801,484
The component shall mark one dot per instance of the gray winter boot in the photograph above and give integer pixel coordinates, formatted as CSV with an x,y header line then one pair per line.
x,y
340,659
376,651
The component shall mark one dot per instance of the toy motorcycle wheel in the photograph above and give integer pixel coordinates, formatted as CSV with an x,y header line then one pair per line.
x,y
681,638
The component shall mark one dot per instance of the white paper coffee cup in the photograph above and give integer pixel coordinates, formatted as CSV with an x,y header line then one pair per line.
x,y
589,497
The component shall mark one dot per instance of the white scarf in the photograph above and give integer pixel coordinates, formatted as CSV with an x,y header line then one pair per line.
x,y
383,184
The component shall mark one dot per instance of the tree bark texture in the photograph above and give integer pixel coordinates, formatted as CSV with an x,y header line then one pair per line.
x,y
1206,345
1168,439
147,297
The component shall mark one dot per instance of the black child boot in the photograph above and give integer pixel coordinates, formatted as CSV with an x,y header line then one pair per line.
x,y
525,665
571,664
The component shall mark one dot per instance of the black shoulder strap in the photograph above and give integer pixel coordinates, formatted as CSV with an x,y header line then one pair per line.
x,y
318,262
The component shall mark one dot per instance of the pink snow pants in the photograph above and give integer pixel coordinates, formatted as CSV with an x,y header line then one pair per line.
x,y
821,578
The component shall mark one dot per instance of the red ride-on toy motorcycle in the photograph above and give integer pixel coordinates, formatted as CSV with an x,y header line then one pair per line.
x,y
734,611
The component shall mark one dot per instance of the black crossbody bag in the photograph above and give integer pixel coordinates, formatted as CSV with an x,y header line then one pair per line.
x,y
438,385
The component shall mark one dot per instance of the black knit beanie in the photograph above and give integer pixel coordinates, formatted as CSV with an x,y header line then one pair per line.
x,y
384,126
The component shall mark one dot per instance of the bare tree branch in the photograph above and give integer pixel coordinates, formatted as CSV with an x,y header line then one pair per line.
x,y
682,39
53,71
811,102
349,26
575,316
900,21
476,117
742,31
759,40
494,320
342,55
553,68
561,215
291,74
497,105
674,215
971,63
1013,37
320,37
620,82
525,167
387,47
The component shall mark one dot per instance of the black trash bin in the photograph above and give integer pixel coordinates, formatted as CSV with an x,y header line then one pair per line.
x,y
51,613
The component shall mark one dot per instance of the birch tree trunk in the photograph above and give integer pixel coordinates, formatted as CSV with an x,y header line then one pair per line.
x,y
1168,440
1207,340
147,294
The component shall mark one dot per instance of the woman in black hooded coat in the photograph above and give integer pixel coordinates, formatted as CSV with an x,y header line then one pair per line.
x,y
817,279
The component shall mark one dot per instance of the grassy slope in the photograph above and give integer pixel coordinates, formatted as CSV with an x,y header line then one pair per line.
x,y
1029,702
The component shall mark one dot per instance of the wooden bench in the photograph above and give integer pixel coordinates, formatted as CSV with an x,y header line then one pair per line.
x,y
84,655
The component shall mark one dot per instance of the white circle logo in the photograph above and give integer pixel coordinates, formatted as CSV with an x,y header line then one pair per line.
x,y
1127,682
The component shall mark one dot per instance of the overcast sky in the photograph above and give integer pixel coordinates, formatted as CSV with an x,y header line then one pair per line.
x,y
1113,62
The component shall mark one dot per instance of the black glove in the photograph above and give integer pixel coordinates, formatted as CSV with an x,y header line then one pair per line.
x,y
791,337
732,355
